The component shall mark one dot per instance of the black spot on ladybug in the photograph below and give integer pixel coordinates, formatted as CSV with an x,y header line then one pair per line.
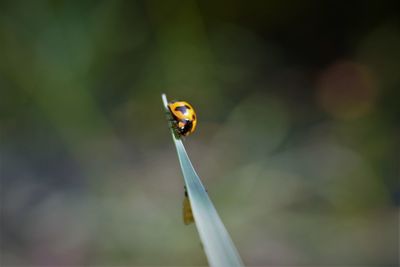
x,y
187,107
193,117
182,109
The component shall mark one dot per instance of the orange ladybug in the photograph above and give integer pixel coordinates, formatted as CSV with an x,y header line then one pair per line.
x,y
184,117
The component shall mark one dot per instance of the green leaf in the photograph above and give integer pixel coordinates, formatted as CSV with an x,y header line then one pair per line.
x,y
217,243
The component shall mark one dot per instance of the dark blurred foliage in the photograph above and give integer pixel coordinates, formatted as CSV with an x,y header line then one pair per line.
x,y
297,140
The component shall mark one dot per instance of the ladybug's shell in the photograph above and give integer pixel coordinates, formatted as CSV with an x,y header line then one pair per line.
x,y
184,116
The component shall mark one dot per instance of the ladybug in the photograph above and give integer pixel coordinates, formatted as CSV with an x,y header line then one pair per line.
x,y
183,117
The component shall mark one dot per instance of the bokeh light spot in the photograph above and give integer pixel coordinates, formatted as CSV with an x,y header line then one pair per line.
x,y
346,90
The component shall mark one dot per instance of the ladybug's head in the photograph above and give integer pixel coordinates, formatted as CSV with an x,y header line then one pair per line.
x,y
185,126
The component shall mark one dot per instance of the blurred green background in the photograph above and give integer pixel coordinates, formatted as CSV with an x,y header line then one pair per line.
x,y
297,139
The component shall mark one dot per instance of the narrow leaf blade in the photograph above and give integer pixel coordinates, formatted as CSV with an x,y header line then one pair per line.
x,y
217,243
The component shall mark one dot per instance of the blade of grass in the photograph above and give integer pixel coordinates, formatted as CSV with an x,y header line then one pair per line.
x,y
217,243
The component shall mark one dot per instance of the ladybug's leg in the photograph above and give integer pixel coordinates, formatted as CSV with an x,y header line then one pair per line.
x,y
168,114
173,125
176,131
